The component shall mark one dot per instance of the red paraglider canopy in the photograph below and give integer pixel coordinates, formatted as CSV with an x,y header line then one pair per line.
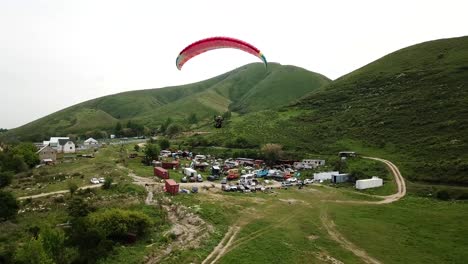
x,y
205,45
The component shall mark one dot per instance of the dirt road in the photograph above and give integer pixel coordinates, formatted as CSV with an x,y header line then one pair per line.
x,y
58,192
340,239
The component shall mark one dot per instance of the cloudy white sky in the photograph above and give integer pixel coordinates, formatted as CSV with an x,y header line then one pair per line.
x,y
54,54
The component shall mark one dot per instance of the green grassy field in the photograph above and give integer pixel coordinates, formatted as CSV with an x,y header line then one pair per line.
x,y
415,230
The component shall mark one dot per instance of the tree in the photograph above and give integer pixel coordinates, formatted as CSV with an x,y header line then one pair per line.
x,y
107,183
272,152
72,187
151,152
166,124
118,129
164,143
73,137
5,178
127,132
192,118
78,208
8,205
136,148
116,223
53,242
33,253
174,129
27,152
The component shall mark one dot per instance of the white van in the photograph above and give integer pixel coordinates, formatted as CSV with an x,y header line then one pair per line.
x,y
247,178
165,153
190,172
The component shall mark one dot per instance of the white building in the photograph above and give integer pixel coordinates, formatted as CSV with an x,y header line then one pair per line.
x,y
54,142
325,175
91,142
308,164
369,183
340,177
66,146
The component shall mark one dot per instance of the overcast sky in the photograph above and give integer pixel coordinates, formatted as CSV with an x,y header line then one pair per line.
x,y
54,54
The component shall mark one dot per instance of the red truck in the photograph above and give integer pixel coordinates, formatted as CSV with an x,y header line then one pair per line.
x,y
161,173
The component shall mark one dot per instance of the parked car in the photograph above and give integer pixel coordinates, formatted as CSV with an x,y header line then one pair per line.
x,y
184,179
224,181
94,181
308,181
199,178
102,180
292,179
286,184
213,177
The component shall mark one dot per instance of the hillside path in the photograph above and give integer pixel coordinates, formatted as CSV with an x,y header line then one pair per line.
x,y
58,192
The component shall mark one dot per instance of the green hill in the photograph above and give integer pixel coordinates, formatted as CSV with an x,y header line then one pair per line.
x,y
243,90
411,106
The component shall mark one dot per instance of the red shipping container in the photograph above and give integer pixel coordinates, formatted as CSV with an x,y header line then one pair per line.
x,y
161,173
170,165
171,187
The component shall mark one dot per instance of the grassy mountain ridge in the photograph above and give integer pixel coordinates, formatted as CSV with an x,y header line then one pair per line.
x,y
411,105
242,90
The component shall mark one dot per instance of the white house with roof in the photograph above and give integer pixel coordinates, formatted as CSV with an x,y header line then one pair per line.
x,y
66,146
91,142
54,142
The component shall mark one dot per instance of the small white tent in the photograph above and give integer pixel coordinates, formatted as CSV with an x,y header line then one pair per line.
x,y
91,142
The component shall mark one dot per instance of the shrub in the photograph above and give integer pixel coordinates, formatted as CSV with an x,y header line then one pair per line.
x,y
72,187
8,205
107,183
78,208
5,179
117,223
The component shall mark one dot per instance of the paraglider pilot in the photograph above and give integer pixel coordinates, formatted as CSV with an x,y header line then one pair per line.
x,y
218,121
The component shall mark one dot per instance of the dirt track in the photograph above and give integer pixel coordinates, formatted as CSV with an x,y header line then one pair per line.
x,y
340,239
58,192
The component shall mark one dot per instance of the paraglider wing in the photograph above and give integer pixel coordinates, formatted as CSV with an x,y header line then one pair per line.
x,y
208,44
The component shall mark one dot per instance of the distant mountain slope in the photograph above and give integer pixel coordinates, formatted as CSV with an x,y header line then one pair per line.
x,y
411,104
246,89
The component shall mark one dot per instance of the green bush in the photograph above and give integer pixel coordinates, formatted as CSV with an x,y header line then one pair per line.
x,y
5,178
117,223
8,205
107,183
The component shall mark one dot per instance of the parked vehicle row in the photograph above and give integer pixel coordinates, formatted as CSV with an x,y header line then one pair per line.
x,y
97,181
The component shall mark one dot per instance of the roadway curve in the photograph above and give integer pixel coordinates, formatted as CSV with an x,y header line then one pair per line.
x,y
345,243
